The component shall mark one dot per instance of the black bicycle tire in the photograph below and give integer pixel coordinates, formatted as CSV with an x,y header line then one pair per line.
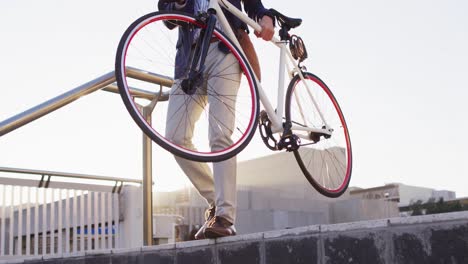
x,y
305,171
136,116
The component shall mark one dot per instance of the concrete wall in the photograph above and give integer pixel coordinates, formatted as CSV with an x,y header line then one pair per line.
x,y
423,239
353,210
250,221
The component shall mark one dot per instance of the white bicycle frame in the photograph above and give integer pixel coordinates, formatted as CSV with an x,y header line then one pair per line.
x,y
275,117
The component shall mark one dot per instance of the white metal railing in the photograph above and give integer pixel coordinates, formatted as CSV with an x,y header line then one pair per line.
x,y
65,218
41,221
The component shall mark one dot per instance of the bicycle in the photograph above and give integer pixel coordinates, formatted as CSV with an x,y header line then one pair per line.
x,y
307,122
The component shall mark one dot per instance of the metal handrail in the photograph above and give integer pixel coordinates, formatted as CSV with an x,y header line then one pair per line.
x,y
68,175
139,93
104,82
44,183
55,103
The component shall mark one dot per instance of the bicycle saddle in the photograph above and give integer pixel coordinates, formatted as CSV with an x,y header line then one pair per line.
x,y
286,21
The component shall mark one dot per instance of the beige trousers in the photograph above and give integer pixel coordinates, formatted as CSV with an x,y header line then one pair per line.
x,y
218,187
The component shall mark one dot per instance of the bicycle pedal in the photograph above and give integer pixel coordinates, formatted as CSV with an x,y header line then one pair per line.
x,y
290,143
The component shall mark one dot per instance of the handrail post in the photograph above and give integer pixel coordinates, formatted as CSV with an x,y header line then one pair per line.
x,y
147,182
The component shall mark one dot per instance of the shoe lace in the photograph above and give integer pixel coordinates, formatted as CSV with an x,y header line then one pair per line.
x,y
210,213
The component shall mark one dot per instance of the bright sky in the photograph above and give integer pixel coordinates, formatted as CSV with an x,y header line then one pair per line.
x,y
398,69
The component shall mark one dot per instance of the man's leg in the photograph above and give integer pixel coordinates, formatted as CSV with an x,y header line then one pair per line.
x,y
183,113
221,125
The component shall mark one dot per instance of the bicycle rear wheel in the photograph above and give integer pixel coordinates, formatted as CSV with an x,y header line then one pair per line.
x,y
149,46
326,161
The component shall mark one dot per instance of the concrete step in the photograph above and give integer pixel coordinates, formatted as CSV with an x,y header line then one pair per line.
x,y
441,238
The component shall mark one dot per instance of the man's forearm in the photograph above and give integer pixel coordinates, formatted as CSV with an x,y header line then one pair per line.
x,y
255,9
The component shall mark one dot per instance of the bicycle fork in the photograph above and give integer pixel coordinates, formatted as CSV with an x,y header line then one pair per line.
x,y
195,76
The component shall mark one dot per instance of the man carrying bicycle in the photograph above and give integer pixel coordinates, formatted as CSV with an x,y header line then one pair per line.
x,y
217,187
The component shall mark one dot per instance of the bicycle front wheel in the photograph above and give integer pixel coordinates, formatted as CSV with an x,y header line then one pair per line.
x,y
212,124
325,160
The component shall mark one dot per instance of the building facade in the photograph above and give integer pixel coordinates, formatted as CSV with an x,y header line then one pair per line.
x,y
274,194
403,194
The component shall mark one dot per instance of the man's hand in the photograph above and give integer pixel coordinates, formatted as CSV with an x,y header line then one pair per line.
x,y
268,29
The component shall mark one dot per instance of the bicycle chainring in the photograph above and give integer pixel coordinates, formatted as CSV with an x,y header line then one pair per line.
x,y
264,126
